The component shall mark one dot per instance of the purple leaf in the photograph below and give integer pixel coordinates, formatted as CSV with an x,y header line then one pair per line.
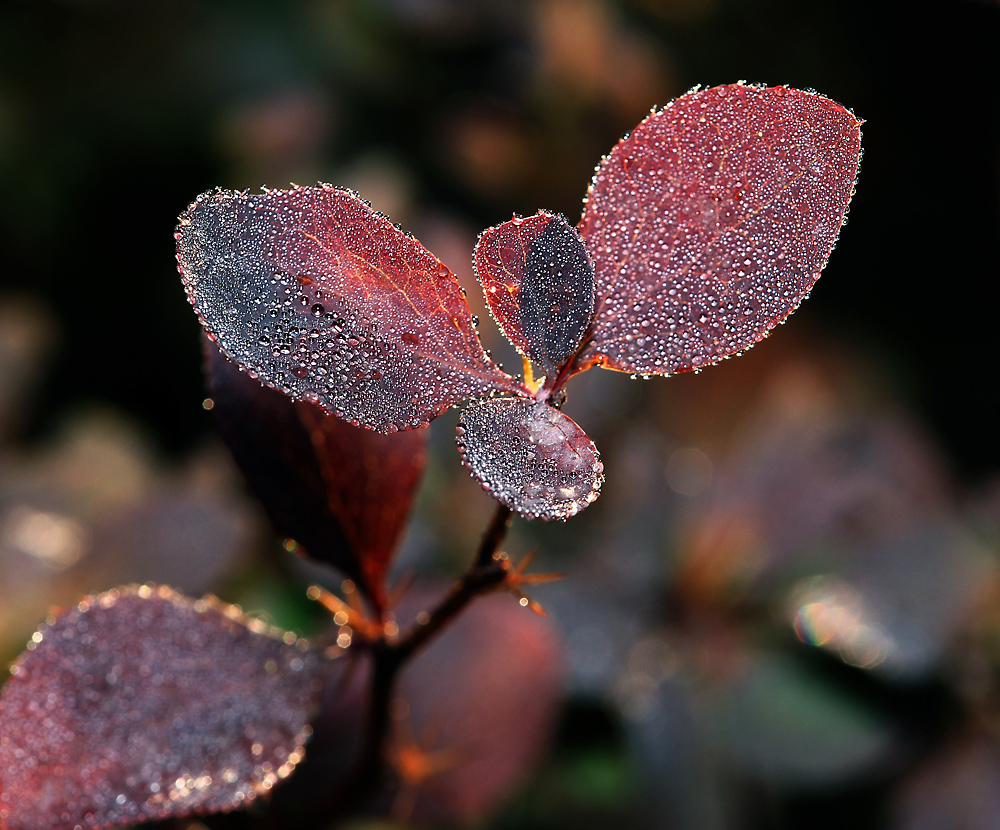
x,y
141,704
343,492
539,285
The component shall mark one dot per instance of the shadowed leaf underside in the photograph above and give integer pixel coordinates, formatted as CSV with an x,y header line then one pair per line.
x,y
341,491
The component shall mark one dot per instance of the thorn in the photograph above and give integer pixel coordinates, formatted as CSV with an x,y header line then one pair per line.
x,y
416,764
517,575
350,614
516,578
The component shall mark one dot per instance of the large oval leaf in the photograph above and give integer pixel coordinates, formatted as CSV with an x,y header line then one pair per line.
x,y
710,223
142,704
539,285
530,457
343,492
324,299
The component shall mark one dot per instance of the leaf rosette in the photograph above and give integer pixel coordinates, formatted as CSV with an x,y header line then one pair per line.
x,y
702,230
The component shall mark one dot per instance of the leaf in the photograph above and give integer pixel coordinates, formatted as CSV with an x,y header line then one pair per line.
x,y
530,457
341,491
711,222
783,724
141,704
539,285
325,300
481,704
957,786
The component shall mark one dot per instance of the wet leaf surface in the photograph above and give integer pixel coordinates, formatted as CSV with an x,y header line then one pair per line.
x,y
531,457
711,222
326,300
343,492
539,285
142,704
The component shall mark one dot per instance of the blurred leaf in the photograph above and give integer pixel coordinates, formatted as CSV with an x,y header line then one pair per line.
x,y
471,717
183,532
711,221
781,723
809,483
341,491
95,507
957,788
324,299
481,704
921,584
141,704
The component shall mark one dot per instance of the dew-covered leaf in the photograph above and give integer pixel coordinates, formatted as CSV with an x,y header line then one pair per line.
x,y
530,457
343,492
141,704
324,299
711,222
539,285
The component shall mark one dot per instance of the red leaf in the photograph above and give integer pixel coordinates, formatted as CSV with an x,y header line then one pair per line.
x,y
539,284
142,704
481,706
341,491
710,223
530,457
329,302
473,713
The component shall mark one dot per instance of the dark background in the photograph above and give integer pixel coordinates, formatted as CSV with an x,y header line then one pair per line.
x,y
113,116
857,446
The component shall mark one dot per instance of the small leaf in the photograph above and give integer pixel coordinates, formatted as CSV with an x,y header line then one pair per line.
x,y
142,704
325,300
341,491
539,284
530,457
711,222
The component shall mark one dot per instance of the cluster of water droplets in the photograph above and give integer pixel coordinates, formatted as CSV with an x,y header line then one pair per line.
x,y
703,229
557,294
530,457
316,295
141,704
710,223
